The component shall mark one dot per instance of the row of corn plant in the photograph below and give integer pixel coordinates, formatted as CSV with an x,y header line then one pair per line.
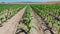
x,y
4,7
28,18
47,17
9,14
53,9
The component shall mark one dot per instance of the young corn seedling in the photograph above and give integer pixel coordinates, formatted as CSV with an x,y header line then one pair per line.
x,y
58,29
28,20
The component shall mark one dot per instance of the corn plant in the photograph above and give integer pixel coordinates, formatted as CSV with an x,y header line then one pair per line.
x,y
28,20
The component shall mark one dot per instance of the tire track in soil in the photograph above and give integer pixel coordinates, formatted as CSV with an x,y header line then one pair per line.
x,y
10,26
40,24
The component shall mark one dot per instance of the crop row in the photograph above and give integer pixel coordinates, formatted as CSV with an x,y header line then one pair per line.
x,y
4,7
43,11
28,18
12,10
52,9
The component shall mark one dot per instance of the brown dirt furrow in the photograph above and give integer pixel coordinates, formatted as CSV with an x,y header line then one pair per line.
x,y
35,24
10,26
38,23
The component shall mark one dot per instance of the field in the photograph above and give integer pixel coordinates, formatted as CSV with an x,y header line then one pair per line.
x,y
29,18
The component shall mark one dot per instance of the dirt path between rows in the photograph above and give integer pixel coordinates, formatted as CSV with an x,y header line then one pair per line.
x,y
37,23
10,26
